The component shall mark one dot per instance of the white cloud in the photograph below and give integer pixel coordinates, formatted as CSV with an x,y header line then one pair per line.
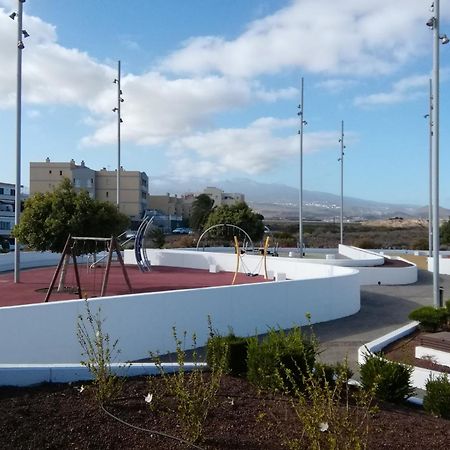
x,y
406,89
346,36
252,150
336,85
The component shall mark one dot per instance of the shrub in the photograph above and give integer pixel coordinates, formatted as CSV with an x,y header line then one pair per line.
x,y
437,397
279,349
331,415
99,352
431,319
236,353
194,393
329,373
390,381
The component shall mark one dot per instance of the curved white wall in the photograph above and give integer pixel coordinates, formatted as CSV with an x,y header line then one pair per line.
x,y
444,265
46,332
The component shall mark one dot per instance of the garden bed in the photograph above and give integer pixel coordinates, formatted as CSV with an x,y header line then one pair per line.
x,y
63,416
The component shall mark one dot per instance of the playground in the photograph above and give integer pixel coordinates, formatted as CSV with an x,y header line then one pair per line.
x,y
35,282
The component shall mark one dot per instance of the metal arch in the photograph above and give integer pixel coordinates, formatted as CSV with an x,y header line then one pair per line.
x,y
224,225
144,247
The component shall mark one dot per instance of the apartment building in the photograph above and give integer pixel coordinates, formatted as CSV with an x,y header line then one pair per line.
x,y
7,200
223,198
100,184
133,190
180,207
46,176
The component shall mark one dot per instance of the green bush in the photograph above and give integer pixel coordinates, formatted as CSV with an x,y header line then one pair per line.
x,y
437,398
236,353
329,373
447,305
389,380
431,319
278,352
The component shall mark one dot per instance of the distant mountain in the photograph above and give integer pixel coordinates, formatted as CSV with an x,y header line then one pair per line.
x,y
279,200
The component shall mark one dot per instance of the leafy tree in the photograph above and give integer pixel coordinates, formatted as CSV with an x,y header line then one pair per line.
x,y
201,208
241,215
445,233
48,218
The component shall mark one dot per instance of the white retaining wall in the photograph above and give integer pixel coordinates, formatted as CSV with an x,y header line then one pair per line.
x,y
444,265
46,332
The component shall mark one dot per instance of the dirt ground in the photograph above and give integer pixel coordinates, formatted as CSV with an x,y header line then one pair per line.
x,y
67,416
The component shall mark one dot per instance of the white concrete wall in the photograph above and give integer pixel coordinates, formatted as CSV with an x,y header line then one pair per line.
x,y
444,265
46,332
389,275
363,258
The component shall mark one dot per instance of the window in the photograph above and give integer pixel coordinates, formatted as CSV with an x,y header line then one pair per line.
x,y
60,172
107,194
50,172
13,192
5,225
2,191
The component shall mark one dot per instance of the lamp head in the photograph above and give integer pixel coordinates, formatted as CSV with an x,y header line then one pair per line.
x,y
25,33
431,22
20,45
13,15
444,39
115,81
114,110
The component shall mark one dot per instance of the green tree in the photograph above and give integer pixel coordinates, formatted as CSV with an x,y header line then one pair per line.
x,y
201,209
445,233
48,218
241,215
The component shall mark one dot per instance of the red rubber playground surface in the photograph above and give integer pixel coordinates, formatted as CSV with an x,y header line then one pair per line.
x,y
35,282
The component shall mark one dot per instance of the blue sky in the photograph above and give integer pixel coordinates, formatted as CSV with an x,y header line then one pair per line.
x,y
211,89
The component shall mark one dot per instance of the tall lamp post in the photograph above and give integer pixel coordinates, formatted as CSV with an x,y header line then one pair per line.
x,y
300,192
21,33
430,174
433,23
341,159
119,121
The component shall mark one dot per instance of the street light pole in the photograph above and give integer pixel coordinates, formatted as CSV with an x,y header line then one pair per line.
x,y
300,197
434,24
430,175
119,121
17,199
341,159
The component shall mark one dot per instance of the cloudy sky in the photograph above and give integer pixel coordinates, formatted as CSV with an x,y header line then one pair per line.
x,y
211,89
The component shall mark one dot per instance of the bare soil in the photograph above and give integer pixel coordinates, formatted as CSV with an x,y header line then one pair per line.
x,y
59,416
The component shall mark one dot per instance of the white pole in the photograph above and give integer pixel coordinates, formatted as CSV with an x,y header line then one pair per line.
x,y
17,199
300,198
341,159
119,99
435,156
430,178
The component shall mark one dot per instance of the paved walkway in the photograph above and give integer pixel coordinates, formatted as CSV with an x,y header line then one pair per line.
x,y
383,309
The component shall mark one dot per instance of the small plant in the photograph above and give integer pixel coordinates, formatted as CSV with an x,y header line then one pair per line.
x,y
431,319
278,348
99,351
194,393
331,415
437,398
236,352
390,380
330,373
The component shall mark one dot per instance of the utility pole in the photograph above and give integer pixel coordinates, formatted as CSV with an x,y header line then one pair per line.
x,y
341,159
119,121
300,196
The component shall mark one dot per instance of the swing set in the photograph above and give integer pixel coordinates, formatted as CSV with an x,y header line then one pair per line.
x,y
71,248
